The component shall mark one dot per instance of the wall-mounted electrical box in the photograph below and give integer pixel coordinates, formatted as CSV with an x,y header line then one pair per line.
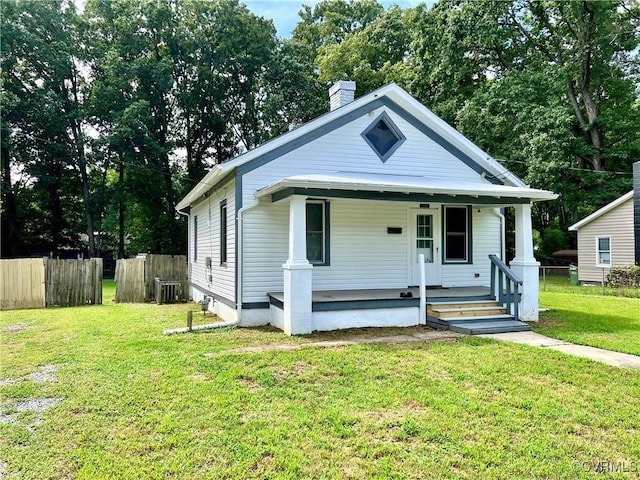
x,y
207,262
394,230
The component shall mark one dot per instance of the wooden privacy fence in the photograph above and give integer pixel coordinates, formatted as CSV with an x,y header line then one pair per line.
x,y
73,282
46,282
136,278
22,283
129,278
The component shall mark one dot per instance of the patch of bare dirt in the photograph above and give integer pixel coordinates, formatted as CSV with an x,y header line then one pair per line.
x,y
16,327
367,336
44,373
250,384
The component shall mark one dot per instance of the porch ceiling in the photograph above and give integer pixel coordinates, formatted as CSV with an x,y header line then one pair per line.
x,y
401,188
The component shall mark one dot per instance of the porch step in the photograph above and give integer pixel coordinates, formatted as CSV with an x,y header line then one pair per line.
x,y
473,311
477,328
461,303
467,305
472,317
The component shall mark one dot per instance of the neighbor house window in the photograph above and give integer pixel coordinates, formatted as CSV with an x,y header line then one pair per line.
x,y
603,251
223,232
457,228
195,238
318,232
383,136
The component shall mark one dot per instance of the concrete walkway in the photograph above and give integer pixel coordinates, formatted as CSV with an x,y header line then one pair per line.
x,y
616,359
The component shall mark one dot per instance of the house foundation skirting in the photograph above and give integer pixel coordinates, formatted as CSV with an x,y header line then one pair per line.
x,y
354,317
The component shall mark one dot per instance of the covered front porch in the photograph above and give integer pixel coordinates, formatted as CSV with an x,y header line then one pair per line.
x,y
363,298
299,308
469,310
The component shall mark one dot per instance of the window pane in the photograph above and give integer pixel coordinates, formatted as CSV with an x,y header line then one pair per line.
x,y
314,246
223,232
426,247
424,226
604,258
315,232
382,137
456,219
603,244
195,238
456,247
314,217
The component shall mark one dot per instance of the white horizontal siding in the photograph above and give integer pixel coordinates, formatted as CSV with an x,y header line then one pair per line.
x,y
617,224
265,248
344,150
485,235
362,254
219,279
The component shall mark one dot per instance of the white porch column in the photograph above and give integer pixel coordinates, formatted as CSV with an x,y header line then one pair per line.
x,y
525,264
297,272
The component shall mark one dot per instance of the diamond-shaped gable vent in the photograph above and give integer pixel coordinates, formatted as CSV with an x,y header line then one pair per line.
x,y
383,136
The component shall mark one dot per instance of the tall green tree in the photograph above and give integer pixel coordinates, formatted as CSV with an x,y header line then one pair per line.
x,y
134,105
42,129
548,87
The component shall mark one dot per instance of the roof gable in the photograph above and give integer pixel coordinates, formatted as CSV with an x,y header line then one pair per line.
x,y
598,213
391,96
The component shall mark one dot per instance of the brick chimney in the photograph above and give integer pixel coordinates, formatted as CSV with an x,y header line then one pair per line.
x,y
341,93
636,209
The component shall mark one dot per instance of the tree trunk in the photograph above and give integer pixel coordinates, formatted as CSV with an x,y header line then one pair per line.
x,y
121,209
9,212
82,165
78,139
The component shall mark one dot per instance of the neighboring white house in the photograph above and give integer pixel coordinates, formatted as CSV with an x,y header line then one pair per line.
x,y
605,238
346,203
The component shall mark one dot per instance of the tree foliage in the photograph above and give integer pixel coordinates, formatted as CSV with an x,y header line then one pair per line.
x,y
110,115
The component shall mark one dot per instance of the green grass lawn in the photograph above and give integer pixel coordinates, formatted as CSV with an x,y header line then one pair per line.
x,y
583,315
133,404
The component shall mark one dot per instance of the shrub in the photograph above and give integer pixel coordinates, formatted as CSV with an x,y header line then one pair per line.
x,y
624,276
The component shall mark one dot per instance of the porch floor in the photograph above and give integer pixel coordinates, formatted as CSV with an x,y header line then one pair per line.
x,y
435,294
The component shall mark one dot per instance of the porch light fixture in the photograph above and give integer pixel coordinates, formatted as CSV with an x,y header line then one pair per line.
x,y
383,136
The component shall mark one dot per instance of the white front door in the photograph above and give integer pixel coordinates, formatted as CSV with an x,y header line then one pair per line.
x,y
425,239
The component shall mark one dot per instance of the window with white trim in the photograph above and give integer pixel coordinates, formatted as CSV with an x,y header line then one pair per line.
x,y
603,251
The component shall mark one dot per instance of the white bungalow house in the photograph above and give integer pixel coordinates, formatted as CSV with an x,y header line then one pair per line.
x,y
321,228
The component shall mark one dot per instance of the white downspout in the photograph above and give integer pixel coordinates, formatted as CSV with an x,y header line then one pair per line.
x,y
230,323
503,240
188,215
239,257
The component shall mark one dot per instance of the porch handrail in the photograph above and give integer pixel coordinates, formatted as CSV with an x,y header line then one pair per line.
x,y
505,285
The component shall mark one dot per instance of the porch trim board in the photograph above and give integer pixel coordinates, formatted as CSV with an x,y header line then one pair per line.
x,y
396,196
277,300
